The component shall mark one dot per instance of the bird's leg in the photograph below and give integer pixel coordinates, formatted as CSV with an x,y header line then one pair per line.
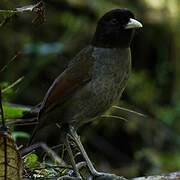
x,y
84,154
78,176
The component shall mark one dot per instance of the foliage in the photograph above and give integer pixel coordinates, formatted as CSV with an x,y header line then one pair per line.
x,y
14,112
140,146
32,161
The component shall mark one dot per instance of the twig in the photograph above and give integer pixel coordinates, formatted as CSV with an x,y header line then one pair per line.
x,y
2,113
53,166
115,117
27,154
38,8
128,110
12,59
19,122
13,84
26,124
4,22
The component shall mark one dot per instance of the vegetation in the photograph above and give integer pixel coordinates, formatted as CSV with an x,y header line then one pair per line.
x,y
39,51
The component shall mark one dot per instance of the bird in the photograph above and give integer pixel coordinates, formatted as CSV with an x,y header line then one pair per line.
x,y
92,82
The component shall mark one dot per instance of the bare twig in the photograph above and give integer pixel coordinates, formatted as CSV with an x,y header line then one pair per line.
x,y
115,117
13,84
128,110
12,59
25,124
2,113
20,122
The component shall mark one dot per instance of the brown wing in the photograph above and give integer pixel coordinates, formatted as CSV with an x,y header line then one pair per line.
x,y
67,83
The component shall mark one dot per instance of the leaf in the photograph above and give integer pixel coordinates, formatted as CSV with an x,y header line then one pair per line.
x,y
10,160
38,8
8,13
31,161
11,111
19,134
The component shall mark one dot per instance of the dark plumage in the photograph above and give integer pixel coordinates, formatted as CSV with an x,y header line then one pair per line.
x,y
110,32
93,81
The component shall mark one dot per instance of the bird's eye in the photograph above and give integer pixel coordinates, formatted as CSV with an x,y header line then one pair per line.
x,y
114,21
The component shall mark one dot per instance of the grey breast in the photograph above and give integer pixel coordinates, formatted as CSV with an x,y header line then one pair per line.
x,y
109,76
110,73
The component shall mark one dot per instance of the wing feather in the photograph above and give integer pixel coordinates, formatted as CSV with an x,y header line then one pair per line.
x,y
77,74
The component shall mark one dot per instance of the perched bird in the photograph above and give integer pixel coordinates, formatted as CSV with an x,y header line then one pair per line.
x,y
92,82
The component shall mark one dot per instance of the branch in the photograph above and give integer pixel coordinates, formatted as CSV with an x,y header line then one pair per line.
x,y
171,176
38,8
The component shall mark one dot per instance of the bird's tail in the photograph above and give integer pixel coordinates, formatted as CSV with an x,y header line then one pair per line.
x,y
32,136
19,114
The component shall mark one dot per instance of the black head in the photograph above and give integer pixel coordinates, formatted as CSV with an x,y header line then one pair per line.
x,y
115,29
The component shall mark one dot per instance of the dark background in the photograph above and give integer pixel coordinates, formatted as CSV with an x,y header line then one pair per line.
x,y
140,146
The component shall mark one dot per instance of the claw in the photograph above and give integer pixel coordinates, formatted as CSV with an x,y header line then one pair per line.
x,y
107,176
69,178
95,174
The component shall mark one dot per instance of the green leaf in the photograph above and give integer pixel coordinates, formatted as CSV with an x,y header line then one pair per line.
x,y
20,134
11,112
8,13
31,161
38,8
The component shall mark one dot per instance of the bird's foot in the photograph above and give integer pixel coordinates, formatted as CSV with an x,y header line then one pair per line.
x,y
105,176
67,177
96,173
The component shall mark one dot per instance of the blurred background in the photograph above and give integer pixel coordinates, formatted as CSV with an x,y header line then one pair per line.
x,y
139,146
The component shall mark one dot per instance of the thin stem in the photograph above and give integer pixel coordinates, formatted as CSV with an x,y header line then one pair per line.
x,y
2,113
